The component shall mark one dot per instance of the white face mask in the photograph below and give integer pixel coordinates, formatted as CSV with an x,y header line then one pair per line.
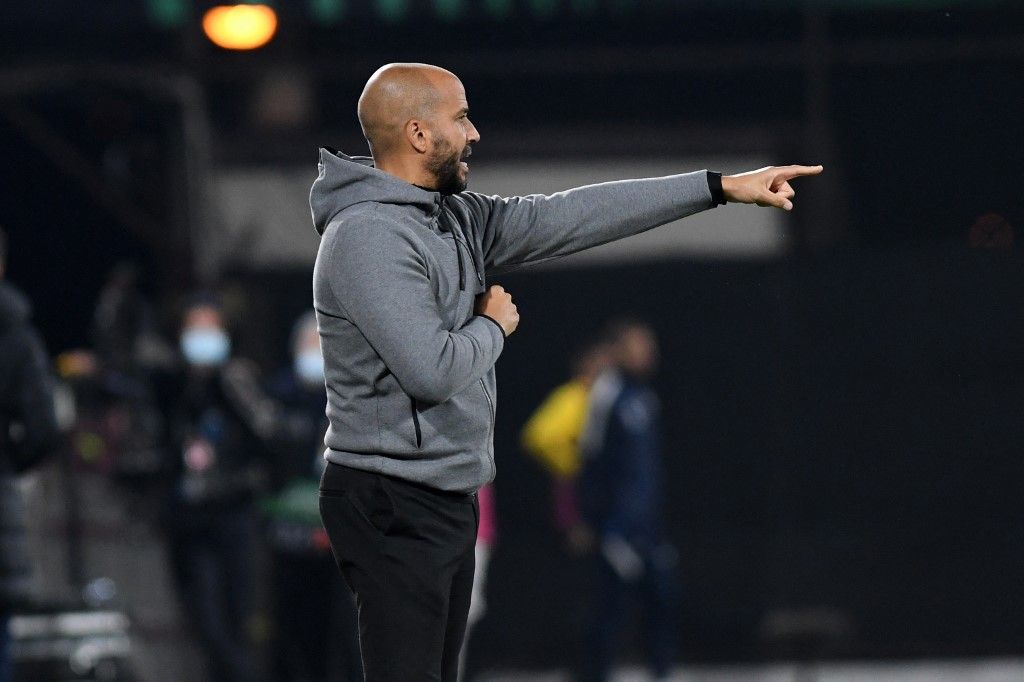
x,y
205,346
309,366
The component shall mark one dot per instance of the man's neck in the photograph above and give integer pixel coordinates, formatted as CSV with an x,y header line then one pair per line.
x,y
405,170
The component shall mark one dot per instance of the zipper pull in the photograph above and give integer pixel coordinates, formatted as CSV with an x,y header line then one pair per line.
x,y
462,266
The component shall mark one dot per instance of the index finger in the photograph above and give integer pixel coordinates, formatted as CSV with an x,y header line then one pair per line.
x,y
789,172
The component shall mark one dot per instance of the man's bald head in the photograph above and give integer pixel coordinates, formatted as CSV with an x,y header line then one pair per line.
x,y
416,119
396,94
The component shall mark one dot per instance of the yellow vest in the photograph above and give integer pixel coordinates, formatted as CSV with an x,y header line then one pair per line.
x,y
553,432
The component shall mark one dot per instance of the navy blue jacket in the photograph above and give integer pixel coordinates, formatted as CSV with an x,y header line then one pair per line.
x,y
621,482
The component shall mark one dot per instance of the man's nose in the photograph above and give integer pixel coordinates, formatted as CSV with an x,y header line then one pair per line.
x,y
474,134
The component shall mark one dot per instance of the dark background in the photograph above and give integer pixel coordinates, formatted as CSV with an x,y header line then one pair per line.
x,y
843,424
842,437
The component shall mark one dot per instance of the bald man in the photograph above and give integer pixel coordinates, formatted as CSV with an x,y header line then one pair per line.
x,y
410,332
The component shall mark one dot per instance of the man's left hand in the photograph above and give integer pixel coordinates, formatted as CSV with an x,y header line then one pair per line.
x,y
767,186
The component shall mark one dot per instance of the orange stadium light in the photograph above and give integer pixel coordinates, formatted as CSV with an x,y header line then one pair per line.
x,y
240,27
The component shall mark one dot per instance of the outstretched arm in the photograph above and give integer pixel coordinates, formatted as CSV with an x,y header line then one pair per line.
x,y
514,231
519,230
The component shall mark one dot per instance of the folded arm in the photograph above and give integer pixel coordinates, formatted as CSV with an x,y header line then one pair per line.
x,y
380,282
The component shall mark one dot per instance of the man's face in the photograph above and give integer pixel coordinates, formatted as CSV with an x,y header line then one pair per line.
x,y
203,317
638,352
592,362
452,134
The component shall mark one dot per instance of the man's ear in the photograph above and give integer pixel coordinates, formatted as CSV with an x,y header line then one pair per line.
x,y
417,135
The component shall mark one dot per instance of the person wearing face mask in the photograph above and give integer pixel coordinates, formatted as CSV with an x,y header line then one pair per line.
x,y
314,636
218,420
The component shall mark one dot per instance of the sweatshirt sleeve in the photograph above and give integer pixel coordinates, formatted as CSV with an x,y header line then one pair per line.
x,y
518,230
381,284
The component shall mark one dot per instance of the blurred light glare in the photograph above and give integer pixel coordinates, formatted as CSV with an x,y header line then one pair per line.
x,y
392,10
544,9
327,11
498,9
448,10
168,13
240,27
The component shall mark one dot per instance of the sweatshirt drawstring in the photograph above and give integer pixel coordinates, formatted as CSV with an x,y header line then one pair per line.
x,y
458,248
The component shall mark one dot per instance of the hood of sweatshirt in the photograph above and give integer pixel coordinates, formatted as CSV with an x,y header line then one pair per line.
x,y
344,181
14,307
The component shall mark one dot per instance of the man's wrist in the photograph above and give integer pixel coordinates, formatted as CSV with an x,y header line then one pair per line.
x,y
488,317
715,186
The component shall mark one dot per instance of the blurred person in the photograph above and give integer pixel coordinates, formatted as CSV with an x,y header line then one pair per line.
x,y
314,614
218,418
28,432
552,435
121,317
621,492
125,332
411,333
117,399
486,538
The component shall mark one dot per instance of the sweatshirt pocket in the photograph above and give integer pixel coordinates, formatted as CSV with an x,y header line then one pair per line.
x,y
416,422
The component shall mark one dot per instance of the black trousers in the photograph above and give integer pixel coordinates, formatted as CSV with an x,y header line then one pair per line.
x,y
407,552
212,558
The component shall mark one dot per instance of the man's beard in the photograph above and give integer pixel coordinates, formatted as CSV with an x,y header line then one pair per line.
x,y
444,165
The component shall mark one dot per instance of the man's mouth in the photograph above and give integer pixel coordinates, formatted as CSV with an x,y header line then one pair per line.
x,y
466,153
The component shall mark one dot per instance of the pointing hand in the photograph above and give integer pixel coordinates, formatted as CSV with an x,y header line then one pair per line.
x,y
765,187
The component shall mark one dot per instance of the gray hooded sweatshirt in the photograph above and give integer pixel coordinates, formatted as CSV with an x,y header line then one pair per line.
x,y
409,367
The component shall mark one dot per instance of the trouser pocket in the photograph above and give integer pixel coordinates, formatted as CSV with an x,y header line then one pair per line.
x,y
363,491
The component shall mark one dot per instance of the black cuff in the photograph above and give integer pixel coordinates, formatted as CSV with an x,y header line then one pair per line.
x,y
715,185
500,328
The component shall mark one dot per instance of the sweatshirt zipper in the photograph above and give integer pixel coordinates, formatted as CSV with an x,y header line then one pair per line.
x,y
490,429
416,423
438,217
462,267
